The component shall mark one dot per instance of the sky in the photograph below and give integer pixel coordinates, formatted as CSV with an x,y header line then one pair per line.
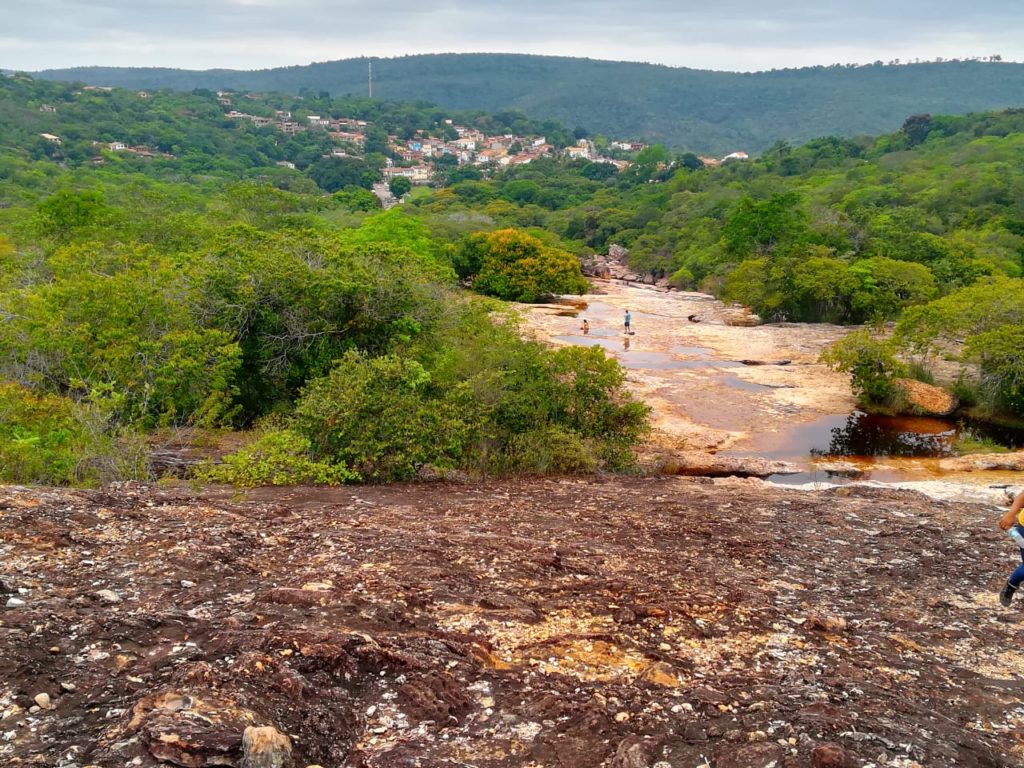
x,y
736,35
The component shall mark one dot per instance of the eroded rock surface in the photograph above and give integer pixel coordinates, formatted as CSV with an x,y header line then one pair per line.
x,y
630,622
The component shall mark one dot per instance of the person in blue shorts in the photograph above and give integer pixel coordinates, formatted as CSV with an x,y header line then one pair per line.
x,y
1013,523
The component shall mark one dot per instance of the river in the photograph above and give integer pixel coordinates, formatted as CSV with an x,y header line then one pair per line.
x,y
740,399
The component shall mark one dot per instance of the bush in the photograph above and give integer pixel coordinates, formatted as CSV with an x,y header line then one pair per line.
x,y
515,266
278,457
381,417
871,363
52,440
1000,357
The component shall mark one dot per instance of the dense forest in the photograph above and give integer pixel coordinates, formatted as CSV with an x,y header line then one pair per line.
x,y
201,288
197,286
701,111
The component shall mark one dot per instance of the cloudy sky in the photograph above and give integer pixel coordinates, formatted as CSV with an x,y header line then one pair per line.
x,y
709,34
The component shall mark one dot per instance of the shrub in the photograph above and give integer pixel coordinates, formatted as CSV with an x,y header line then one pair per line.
x,y
871,363
278,457
381,417
52,440
515,266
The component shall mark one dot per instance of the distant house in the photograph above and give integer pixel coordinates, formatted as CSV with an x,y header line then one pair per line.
x,y
285,164
289,127
417,174
736,156
47,108
259,122
51,137
117,146
318,122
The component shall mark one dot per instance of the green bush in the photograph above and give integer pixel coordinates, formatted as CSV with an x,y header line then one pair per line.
x,y
515,266
53,440
871,363
381,417
278,457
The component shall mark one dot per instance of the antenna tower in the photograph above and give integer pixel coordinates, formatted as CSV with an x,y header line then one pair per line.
x,y
369,68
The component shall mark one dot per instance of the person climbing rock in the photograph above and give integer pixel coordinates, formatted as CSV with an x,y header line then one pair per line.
x,y
626,319
1013,523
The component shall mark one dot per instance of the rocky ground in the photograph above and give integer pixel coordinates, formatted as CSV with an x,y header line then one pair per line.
x,y
659,623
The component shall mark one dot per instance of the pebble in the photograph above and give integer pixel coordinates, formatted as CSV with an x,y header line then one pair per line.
x,y
15,602
186,584
68,687
42,699
55,649
108,596
621,717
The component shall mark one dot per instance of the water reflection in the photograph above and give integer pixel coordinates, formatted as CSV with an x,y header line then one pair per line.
x,y
866,434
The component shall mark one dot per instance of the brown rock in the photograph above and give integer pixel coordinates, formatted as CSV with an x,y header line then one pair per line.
x,y
713,465
985,462
436,696
832,756
926,398
760,755
633,752
265,747
831,624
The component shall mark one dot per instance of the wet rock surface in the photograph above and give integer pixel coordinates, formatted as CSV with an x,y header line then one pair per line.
x,y
672,622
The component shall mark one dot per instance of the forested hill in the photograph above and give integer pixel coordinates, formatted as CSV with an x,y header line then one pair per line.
x,y
703,111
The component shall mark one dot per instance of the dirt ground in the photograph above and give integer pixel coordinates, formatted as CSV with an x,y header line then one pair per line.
x,y
624,623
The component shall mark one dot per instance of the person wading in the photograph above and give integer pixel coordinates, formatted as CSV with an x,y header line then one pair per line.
x,y
1013,523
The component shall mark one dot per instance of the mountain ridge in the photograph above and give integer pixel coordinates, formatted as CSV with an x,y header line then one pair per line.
x,y
700,110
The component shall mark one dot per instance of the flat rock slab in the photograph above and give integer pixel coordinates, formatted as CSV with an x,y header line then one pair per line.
x,y
576,622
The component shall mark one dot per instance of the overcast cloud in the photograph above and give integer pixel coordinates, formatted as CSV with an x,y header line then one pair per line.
x,y
723,34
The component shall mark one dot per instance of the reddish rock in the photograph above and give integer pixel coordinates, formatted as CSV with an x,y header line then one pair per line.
x,y
926,398
832,756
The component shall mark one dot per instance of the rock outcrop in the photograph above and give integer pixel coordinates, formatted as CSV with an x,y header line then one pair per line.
x,y
623,622
926,398
980,462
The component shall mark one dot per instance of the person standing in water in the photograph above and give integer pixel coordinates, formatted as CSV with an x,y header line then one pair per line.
x,y
585,327
1013,523
626,320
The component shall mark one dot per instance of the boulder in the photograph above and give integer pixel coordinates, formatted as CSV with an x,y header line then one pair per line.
x,y
839,468
832,756
982,462
617,252
926,398
265,747
698,464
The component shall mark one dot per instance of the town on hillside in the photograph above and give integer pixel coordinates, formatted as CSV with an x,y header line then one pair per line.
x,y
418,158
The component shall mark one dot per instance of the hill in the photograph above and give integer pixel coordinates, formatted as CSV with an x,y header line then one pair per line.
x,y
702,111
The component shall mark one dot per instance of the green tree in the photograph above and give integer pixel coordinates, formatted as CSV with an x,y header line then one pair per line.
x,y
516,266
399,186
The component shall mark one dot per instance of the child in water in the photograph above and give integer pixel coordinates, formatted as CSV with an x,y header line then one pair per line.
x,y
1013,523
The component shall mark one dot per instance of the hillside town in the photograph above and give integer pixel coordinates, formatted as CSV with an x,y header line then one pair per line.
x,y
417,158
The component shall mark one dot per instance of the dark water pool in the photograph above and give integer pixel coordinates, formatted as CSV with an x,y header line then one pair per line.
x,y
873,435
